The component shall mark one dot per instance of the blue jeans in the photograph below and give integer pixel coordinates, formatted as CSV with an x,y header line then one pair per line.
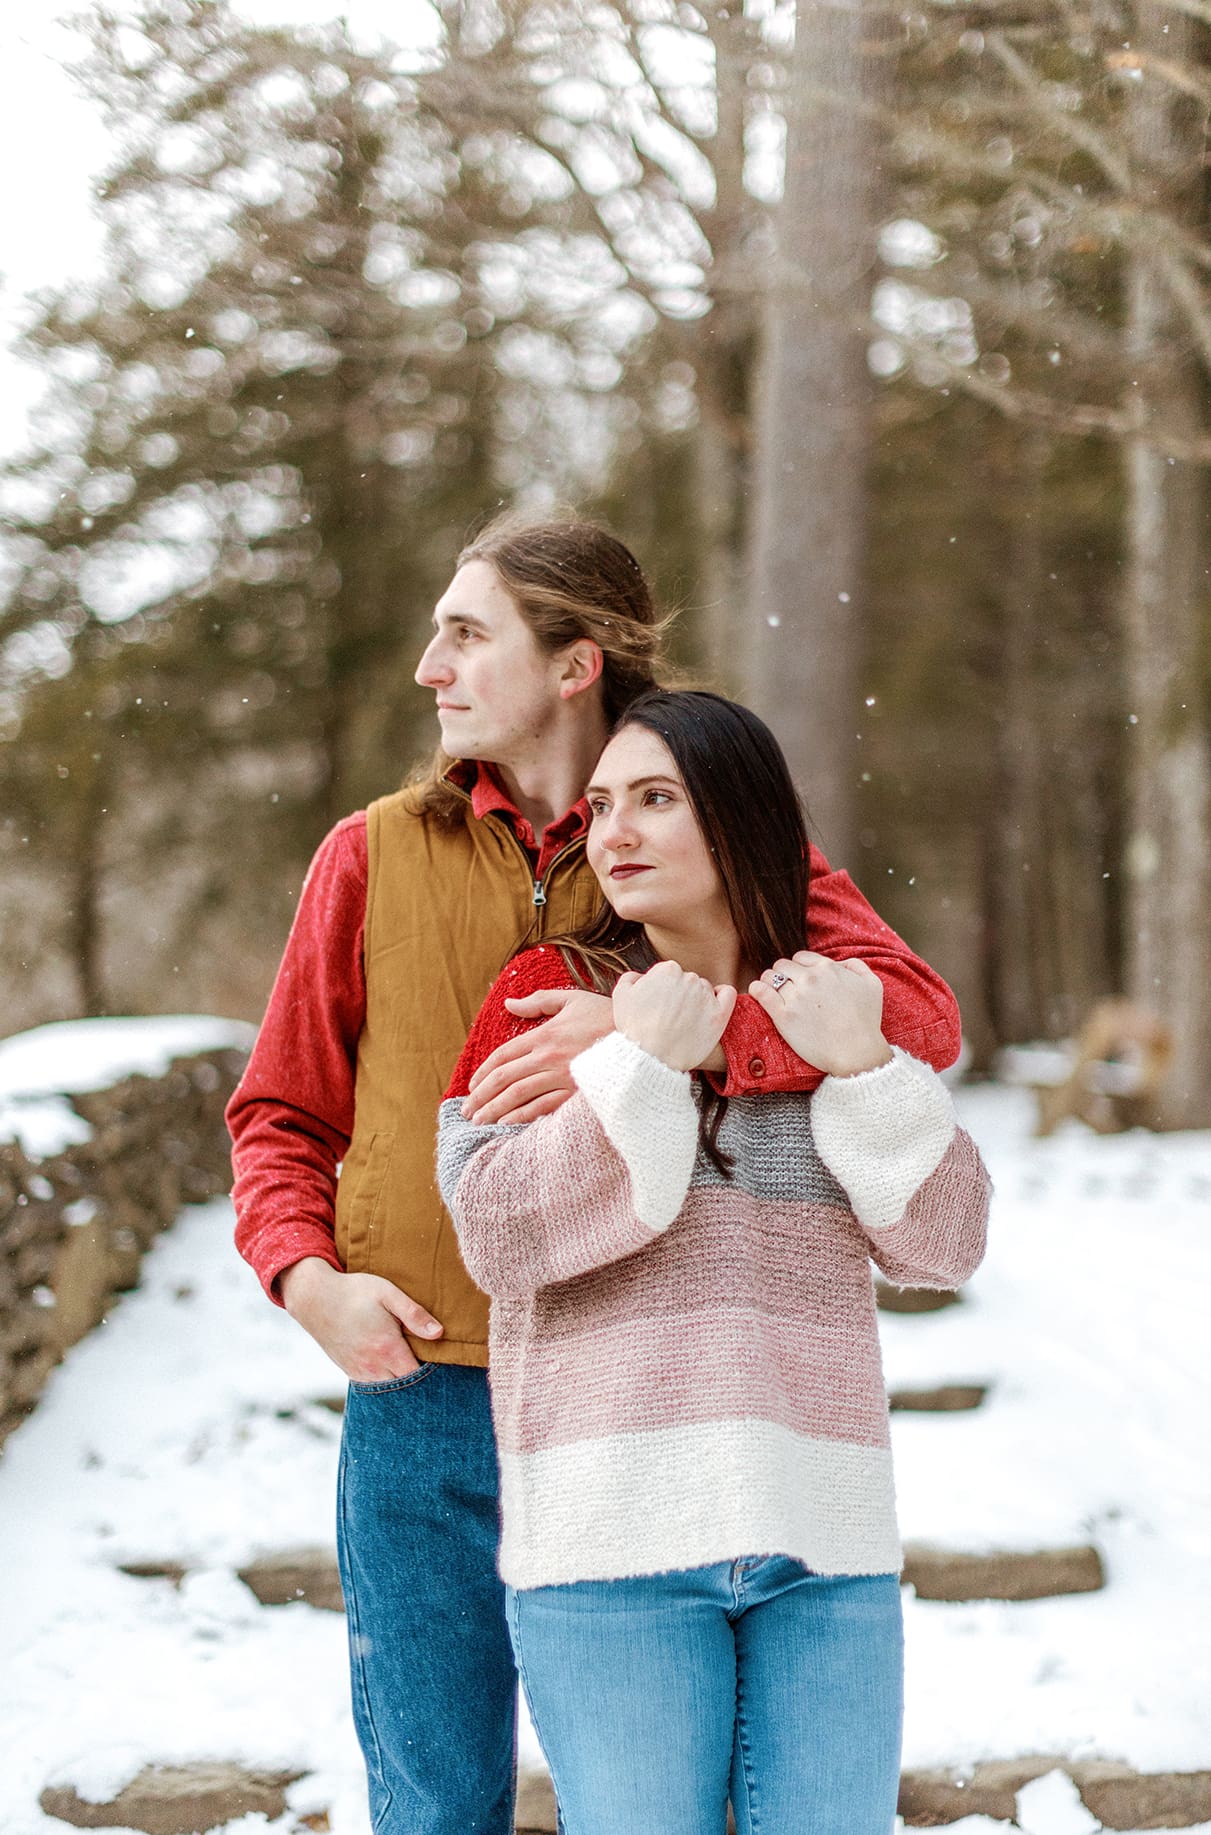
x,y
654,1698
434,1686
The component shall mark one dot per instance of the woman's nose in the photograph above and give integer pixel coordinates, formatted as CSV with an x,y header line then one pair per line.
x,y
618,831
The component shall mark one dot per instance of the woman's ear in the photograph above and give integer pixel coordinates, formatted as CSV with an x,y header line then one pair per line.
x,y
583,663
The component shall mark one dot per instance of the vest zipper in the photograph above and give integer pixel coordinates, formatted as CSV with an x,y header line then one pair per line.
x,y
538,895
539,886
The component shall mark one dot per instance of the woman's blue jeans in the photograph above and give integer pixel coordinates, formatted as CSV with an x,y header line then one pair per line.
x,y
655,1697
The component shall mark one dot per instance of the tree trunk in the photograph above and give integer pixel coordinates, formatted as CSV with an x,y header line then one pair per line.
x,y
1018,881
804,637
1075,854
86,881
722,353
1168,865
720,472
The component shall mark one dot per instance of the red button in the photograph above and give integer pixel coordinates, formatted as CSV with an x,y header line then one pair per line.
x,y
756,1067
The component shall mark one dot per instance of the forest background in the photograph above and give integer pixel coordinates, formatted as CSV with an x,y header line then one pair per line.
x,y
883,336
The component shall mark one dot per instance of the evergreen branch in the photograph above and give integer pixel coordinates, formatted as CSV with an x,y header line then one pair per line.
x,y
1190,299
1079,133
1178,76
1082,419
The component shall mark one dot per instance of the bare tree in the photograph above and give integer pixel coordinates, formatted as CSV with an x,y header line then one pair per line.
x,y
1058,156
1165,586
814,418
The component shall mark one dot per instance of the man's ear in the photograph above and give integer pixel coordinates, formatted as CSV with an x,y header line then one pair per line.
x,y
583,663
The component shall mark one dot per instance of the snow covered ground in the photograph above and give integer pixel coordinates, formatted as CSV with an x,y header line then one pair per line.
x,y
1089,1321
192,1428
40,1069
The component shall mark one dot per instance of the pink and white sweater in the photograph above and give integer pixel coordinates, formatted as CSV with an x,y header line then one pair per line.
x,y
685,1369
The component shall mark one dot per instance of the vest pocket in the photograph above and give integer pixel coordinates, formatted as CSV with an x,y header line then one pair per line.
x,y
587,900
367,1192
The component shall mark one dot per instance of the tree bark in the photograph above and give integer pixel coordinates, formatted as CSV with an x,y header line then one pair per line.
x,y
1165,589
723,356
86,880
1018,881
805,618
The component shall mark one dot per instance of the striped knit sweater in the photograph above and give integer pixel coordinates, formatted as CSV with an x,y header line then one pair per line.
x,y
685,1369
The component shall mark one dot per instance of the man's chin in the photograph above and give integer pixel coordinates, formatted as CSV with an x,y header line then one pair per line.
x,y
458,741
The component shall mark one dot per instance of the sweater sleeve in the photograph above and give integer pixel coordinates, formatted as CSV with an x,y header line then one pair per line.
x,y
291,1116
599,1179
920,1014
535,971
917,1184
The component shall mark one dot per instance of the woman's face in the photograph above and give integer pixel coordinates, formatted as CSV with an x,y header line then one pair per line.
x,y
644,843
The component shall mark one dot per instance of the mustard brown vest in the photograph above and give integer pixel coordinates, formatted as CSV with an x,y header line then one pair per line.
x,y
445,909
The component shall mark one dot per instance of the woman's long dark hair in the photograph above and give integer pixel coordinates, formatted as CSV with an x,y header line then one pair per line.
x,y
751,818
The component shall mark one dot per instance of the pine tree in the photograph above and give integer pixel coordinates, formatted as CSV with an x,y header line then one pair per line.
x,y
335,287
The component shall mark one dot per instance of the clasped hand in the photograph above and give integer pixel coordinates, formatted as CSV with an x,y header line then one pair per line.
x,y
677,1016
830,1013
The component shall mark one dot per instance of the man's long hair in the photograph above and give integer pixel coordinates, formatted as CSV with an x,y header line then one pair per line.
x,y
569,579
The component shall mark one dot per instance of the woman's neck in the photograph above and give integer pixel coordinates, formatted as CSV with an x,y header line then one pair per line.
x,y
713,953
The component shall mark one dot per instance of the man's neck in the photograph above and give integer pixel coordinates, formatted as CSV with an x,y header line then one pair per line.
x,y
544,787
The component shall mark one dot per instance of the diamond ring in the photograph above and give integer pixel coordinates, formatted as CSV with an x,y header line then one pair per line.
x,y
779,980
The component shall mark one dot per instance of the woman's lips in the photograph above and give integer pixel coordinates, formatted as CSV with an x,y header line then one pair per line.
x,y
627,872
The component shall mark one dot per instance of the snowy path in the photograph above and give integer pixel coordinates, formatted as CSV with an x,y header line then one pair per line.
x,y
1089,1320
193,1427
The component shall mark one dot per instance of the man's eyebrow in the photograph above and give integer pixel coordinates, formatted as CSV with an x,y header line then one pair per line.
x,y
457,618
638,783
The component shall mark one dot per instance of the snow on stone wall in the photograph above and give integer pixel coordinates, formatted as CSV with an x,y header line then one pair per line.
x,y
112,1173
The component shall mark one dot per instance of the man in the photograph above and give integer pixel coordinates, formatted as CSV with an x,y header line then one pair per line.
x,y
407,915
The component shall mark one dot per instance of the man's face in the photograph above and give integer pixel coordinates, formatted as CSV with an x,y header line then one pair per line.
x,y
497,690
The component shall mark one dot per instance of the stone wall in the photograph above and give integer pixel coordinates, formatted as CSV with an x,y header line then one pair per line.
x,y
74,1227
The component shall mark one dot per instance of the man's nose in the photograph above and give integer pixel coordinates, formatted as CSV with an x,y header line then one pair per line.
x,y
432,670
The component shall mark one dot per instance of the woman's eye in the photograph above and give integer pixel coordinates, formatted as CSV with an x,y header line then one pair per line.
x,y
597,807
657,796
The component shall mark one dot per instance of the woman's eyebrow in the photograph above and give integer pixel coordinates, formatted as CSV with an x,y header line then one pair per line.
x,y
636,783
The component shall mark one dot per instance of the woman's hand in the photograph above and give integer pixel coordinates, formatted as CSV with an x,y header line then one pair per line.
x,y
828,1012
677,1017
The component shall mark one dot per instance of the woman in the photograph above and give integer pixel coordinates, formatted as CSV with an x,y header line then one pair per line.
x,y
698,1528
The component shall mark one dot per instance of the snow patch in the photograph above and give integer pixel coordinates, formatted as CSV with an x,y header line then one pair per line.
x,y
1051,1805
40,1069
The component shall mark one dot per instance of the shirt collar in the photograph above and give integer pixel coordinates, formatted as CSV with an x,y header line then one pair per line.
x,y
483,784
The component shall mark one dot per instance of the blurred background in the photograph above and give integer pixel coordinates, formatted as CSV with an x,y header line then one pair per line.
x,y
883,335
884,342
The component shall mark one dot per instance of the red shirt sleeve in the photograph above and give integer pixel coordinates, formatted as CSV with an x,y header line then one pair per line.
x,y
533,972
920,1013
291,1116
